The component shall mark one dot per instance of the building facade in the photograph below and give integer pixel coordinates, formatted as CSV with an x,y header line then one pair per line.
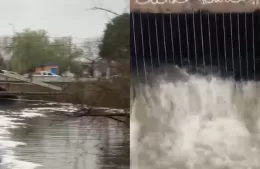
x,y
53,68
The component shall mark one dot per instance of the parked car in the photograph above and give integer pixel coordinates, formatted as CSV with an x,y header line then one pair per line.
x,y
42,73
46,73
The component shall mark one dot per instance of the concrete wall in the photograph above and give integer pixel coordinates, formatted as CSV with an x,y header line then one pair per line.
x,y
166,6
204,42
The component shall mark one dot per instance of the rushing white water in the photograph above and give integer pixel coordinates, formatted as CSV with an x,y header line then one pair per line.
x,y
196,123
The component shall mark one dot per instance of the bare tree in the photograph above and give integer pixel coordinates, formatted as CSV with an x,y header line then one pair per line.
x,y
103,9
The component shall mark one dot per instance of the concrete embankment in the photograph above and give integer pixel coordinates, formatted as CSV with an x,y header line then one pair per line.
x,y
112,94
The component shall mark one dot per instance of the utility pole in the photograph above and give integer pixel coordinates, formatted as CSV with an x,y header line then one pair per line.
x,y
14,33
13,28
70,53
8,61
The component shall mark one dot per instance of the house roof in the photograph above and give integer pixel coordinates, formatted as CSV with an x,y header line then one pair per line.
x,y
47,64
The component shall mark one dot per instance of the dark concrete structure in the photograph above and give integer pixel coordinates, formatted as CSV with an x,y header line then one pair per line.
x,y
227,43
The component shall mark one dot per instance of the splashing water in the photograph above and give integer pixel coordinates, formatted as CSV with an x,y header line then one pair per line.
x,y
196,123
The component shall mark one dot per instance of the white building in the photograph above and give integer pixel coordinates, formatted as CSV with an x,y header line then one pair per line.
x,y
5,44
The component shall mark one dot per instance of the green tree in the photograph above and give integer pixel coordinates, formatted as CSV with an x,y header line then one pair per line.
x,y
31,48
115,43
65,54
115,46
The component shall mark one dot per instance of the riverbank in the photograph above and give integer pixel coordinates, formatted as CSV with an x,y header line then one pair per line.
x,y
102,93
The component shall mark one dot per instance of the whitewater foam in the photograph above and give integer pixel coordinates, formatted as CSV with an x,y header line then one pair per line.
x,y
196,123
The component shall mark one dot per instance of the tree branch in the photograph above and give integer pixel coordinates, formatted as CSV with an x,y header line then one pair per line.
x,y
103,9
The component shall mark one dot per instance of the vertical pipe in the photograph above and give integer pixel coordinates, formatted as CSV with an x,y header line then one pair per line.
x,y
253,30
157,40
195,43
210,51
136,58
232,45
187,38
179,30
142,37
164,41
202,42
216,25
225,54
247,68
150,46
173,49
239,54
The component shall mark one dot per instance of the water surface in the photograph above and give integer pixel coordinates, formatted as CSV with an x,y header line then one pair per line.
x,y
40,135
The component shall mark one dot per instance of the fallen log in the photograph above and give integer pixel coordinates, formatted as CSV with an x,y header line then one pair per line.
x,y
126,121
97,112
104,114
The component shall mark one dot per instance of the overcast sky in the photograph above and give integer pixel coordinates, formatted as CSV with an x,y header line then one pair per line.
x,y
58,17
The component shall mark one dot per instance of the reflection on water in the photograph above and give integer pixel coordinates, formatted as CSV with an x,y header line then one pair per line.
x,y
40,136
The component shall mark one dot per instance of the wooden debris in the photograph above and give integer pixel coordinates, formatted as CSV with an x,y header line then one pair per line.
x,y
97,112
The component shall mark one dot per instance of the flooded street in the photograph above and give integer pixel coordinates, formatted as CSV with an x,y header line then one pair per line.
x,y
40,135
